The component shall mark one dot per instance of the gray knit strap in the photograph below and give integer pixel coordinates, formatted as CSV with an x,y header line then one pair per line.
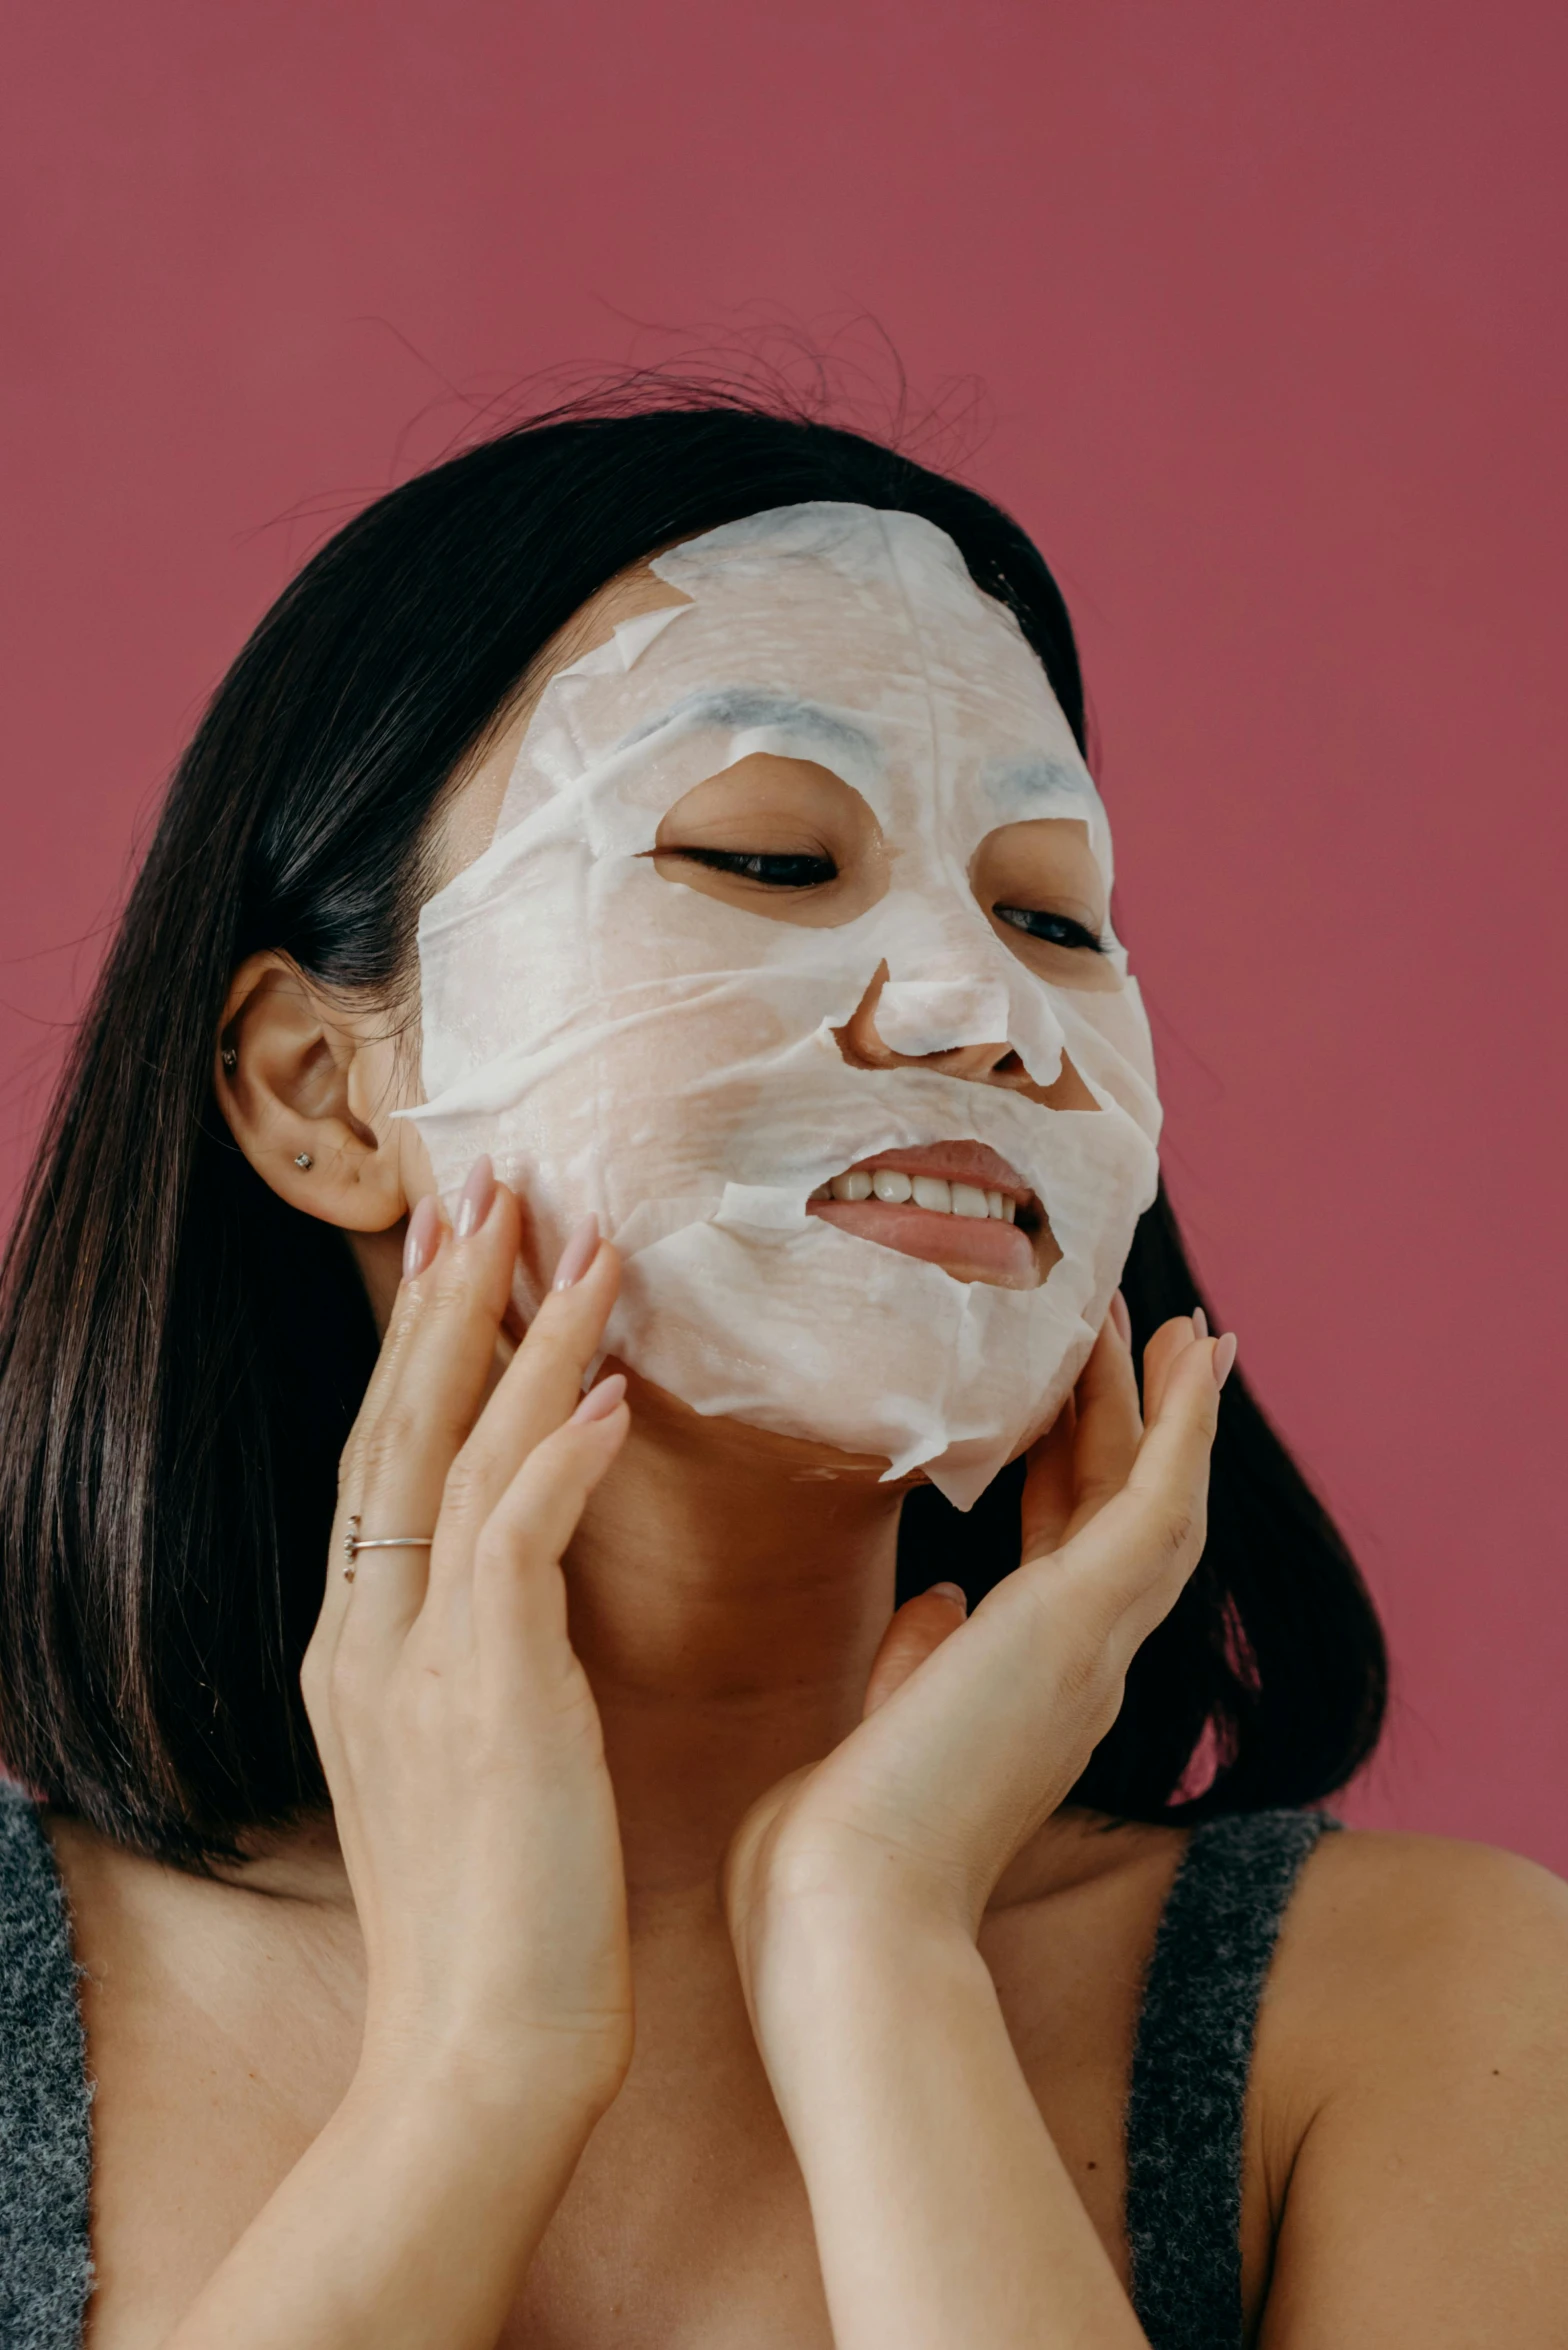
x,y
1189,2073
45,2143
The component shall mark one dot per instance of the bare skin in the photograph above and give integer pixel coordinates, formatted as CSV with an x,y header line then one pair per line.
x,y
356,2062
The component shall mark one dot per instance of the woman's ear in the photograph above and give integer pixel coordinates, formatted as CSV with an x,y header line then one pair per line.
x,y
307,1090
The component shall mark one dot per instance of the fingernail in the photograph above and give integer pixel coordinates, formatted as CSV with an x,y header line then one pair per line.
x,y
600,1401
423,1237
1200,1322
1121,1318
950,1591
1224,1357
473,1201
578,1254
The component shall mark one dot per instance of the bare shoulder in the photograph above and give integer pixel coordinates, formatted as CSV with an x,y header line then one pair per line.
x,y
1403,1934
1411,2114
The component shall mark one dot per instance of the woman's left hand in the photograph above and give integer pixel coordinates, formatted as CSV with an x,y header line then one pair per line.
x,y
974,1731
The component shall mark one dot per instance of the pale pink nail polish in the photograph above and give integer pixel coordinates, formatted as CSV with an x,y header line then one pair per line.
x,y
1200,1322
423,1237
600,1401
949,1591
1224,1357
473,1201
1121,1318
578,1254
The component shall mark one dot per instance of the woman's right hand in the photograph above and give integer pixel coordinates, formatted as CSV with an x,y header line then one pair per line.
x,y
462,1750
456,1728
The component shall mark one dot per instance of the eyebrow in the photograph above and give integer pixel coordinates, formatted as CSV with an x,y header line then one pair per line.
x,y
1033,773
740,707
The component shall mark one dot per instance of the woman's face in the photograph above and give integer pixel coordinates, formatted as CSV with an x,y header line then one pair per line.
x,y
790,956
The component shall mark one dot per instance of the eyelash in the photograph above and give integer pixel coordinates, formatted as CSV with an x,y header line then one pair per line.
x,y
796,873
1062,930
804,872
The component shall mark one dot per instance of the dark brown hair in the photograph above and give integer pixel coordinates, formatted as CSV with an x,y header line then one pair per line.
x,y
181,1354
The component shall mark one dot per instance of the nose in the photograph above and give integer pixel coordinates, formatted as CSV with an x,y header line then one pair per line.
x,y
863,1047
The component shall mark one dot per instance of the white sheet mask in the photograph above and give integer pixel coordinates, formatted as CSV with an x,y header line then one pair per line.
x,y
622,1042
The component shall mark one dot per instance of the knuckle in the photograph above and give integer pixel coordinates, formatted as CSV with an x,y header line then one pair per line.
x,y
497,1550
1077,1627
456,1289
466,1492
1091,1687
407,1431
1103,1704
348,1681
1177,1529
549,1348
409,1311
424,1312
312,1682
1168,1535
1169,1523
389,1442
513,1536
1084,1673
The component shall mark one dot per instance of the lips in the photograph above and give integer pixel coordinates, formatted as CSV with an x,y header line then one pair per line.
x,y
956,1204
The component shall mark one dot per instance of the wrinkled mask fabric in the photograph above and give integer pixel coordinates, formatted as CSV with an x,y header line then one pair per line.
x,y
628,1044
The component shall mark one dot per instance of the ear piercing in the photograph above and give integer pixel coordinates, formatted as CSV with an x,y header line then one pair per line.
x,y
231,1061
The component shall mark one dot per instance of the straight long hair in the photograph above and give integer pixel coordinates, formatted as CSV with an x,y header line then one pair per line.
x,y
181,1355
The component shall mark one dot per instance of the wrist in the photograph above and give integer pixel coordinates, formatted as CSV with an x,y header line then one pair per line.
x,y
823,1963
412,2216
859,1903
551,2086
840,2016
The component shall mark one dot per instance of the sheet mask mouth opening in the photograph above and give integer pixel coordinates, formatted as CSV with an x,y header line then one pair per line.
x,y
959,1205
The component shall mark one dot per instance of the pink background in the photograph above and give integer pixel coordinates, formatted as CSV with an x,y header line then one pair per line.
x,y
1266,306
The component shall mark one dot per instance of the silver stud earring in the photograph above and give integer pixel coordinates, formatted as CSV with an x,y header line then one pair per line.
x,y
303,1159
230,1058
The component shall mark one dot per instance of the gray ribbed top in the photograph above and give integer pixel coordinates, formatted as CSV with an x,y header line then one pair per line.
x,y
1189,2073
45,2146
1184,2115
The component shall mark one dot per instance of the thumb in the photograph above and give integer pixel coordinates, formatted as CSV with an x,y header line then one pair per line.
x,y
918,1628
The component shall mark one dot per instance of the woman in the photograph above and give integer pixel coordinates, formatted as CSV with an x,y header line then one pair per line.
x,y
606,1720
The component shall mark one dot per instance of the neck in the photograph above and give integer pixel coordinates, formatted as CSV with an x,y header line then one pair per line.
x,y
727,1595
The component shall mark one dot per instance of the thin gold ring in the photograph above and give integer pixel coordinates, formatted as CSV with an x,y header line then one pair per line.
x,y
353,1544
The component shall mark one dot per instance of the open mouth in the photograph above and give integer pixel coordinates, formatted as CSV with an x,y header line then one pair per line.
x,y
954,1204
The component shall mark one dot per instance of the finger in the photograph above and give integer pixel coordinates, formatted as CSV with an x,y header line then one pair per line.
x,y
1047,1502
428,1233
1185,1414
443,1333
516,1587
1089,1450
1171,1340
539,1390
428,1230
1131,1559
1110,1426
918,1628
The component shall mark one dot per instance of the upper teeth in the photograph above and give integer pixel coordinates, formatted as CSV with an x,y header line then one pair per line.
x,y
926,1191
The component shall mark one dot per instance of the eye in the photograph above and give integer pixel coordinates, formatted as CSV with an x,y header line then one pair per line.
x,y
772,872
1057,930
778,840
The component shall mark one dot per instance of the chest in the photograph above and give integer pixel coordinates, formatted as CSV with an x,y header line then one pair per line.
x,y
218,2059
